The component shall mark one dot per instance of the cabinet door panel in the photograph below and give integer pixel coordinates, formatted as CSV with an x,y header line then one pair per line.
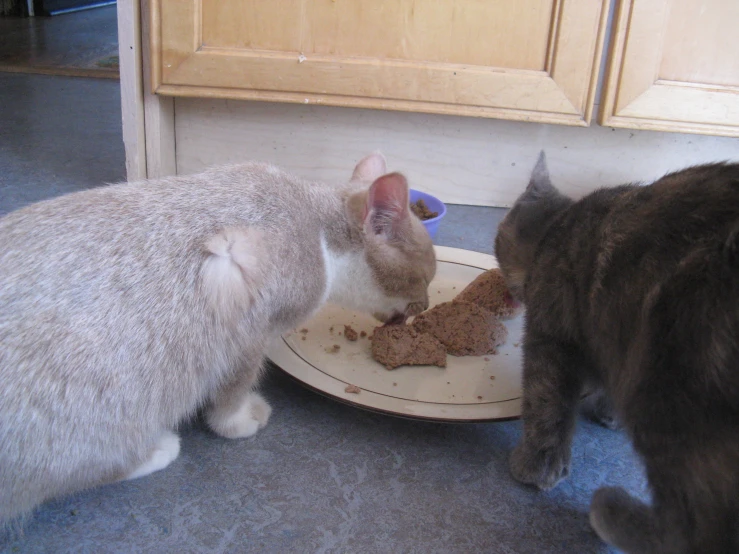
x,y
674,67
530,59
473,33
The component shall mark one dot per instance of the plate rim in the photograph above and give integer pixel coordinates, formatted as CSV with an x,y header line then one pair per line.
x,y
510,408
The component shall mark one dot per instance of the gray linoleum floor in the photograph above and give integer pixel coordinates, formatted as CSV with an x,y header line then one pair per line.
x,y
322,476
80,43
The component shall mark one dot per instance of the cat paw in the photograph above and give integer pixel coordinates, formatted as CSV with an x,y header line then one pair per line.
x,y
622,521
164,453
597,408
241,421
542,468
603,418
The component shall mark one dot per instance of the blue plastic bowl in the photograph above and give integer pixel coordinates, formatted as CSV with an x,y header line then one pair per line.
x,y
435,205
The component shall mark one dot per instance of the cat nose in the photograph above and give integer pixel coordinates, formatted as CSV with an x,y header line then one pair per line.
x,y
415,308
379,316
396,318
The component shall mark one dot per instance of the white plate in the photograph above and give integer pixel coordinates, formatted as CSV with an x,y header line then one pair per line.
x,y
470,388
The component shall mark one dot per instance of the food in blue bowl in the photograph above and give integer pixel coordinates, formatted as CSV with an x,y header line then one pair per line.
x,y
429,209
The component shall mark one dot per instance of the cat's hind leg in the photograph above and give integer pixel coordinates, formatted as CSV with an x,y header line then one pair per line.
x,y
165,451
552,385
674,526
237,411
623,521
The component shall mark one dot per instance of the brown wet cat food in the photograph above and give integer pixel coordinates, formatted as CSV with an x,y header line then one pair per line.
x,y
465,329
489,291
422,211
397,345
350,333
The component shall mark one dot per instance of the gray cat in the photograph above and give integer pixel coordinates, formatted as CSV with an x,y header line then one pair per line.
x,y
634,290
126,308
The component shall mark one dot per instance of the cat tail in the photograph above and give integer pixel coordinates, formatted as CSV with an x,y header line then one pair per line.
x,y
231,274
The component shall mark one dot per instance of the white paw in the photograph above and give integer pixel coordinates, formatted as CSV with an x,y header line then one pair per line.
x,y
240,421
164,453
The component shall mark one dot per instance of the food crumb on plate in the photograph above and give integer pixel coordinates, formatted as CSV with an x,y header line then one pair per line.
x,y
363,334
333,349
304,330
479,397
353,389
349,333
492,377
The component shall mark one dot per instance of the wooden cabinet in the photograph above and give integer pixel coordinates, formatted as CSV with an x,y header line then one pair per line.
x,y
532,60
674,66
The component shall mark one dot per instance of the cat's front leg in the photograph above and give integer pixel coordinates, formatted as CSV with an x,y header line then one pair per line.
x,y
551,389
237,411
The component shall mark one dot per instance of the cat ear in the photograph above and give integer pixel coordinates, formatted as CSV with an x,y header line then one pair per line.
x,y
387,211
540,183
370,168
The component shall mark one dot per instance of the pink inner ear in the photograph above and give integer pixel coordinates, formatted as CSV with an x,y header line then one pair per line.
x,y
389,193
387,202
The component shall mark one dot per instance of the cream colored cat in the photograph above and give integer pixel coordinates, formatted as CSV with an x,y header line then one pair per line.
x,y
126,308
